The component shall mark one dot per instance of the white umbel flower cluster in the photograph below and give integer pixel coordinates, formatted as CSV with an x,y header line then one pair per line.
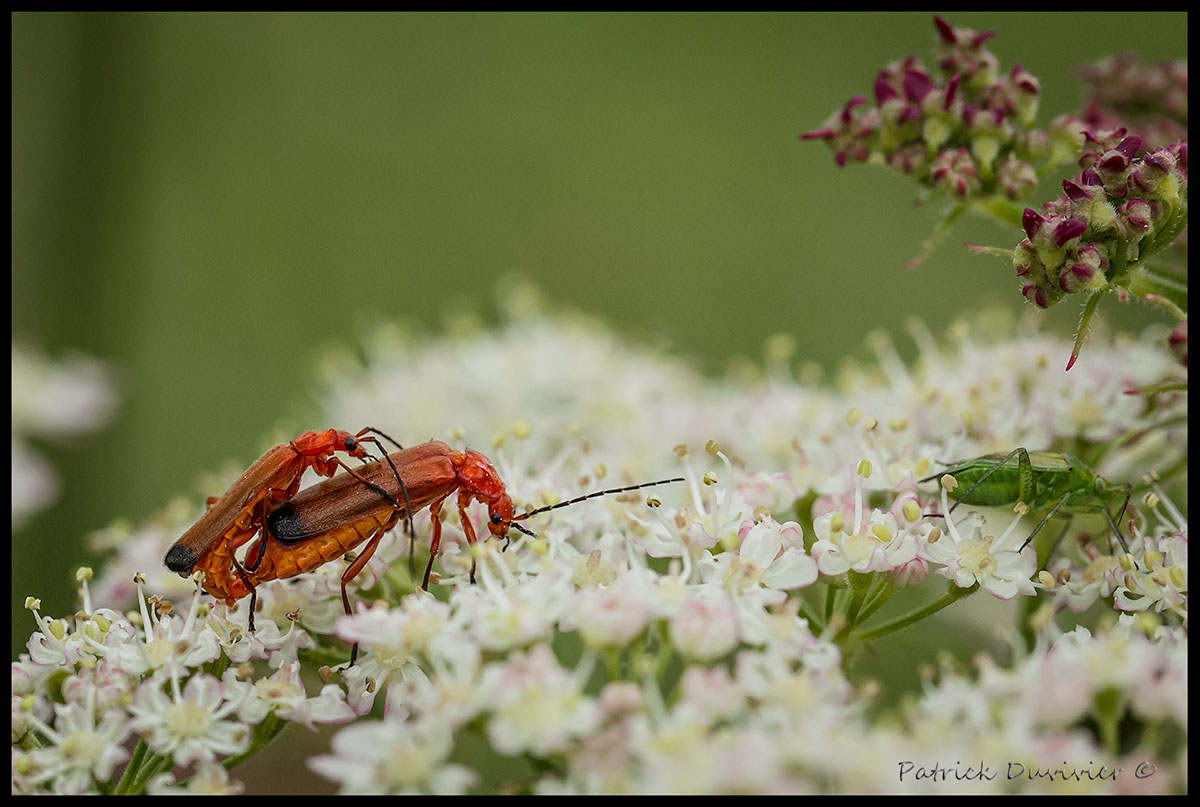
x,y
699,637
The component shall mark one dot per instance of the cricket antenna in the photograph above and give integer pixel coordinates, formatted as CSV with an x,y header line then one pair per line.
x,y
578,499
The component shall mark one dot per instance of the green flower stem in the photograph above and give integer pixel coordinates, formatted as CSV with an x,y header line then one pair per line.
x,y
1167,234
1000,209
264,733
949,598
940,231
1108,709
1084,321
1144,281
814,621
151,769
881,591
860,584
131,770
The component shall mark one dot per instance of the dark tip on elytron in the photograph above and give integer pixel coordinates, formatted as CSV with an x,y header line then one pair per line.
x,y
180,560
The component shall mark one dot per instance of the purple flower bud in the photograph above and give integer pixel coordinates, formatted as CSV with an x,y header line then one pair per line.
x,y
1035,295
945,30
910,160
951,91
916,86
1097,143
1023,80
848,131
1093,256
1023,257
1134,217
954,172
1067,229
1179,152
1129,146
1112,162
1074,192
884,91
1151,176
1032,222
1076,278
1016,177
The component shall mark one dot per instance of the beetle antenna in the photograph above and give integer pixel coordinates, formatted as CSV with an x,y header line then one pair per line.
x,y
578,499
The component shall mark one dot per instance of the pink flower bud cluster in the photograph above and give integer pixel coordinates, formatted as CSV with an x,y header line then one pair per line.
x,y
967,133
1106,213
1150,100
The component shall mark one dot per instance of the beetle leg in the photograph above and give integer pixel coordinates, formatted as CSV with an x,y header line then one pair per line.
x,y
435,510
464,498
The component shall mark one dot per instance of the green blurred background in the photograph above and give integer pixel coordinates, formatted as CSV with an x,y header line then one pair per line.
x,y
204,200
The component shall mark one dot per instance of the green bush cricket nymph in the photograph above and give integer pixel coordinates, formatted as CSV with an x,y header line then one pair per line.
x,y
1040,480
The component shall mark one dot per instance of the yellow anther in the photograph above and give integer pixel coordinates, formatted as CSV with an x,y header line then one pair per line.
x,y
1176,576
836,523
710,478
881,532
864,469
948,482
681,450
911,510
935,535
1150,500
538,546
653,501
1064,577
870,424
497,439
32,604
600,470
968,419
1046,579
761,513
1153,559
1127,562
712,447
898,425
853,416
521,430
1022,508
83,573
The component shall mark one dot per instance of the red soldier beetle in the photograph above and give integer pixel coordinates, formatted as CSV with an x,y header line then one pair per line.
x,y
234,518
324,522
